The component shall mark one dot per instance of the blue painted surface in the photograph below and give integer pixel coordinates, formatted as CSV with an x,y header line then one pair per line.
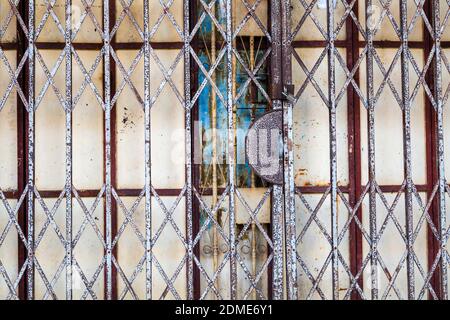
x,y
247,110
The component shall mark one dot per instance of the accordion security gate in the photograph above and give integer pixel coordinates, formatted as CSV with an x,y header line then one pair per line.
x,y
353,219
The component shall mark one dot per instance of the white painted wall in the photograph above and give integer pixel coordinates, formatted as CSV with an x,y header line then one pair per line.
x,y
8,129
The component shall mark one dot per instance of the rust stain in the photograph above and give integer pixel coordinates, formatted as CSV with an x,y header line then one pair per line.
x,y
316,184
300,173
290,144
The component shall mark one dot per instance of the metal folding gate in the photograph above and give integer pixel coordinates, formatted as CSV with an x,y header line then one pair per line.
x,y
346,231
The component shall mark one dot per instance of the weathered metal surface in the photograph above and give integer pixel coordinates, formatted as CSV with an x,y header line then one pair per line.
x,y
263,144
120,72
311,115
288,156
108,185
439,31
405,59
388,20
332,106
383,78
277,238
312,16
69,155
277,212
30,138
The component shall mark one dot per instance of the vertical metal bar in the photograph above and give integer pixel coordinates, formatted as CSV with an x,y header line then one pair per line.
x,y
148,199
277,240
21,146
354,149
276,85
195,138
276,71
231,151
288,155
371,156
214,159
107,106
440,148
30,197
333,145
407,146
433,244
113,144
68,111
289,204
188,155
